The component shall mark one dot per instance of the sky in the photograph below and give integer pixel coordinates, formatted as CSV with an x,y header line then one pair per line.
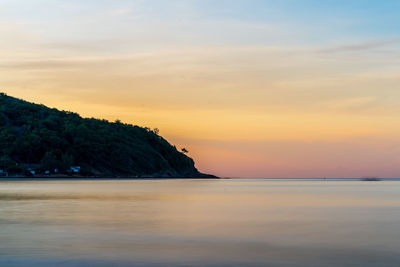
x,y
290,88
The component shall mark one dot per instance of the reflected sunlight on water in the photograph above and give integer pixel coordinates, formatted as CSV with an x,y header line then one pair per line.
x,y
199,223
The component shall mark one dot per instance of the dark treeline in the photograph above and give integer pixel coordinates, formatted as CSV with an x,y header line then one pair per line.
x,y
36,136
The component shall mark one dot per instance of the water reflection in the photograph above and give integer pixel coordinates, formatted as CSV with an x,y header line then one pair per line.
x,y
199,223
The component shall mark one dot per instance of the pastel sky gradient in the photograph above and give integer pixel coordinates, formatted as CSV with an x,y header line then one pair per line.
x,y
251,88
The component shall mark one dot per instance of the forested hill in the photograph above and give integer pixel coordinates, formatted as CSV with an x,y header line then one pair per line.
x,y
37,139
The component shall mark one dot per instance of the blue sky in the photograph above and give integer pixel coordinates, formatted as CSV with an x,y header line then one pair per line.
x,y
319,21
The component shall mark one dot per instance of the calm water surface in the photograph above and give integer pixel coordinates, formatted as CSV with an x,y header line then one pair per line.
x,y
199,223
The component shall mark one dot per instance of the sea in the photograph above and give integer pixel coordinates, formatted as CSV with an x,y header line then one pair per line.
x,y
216,222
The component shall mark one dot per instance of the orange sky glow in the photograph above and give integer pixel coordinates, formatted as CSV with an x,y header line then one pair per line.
x,y
247,98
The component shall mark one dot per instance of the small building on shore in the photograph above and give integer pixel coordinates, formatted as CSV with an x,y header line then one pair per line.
x,y
75,169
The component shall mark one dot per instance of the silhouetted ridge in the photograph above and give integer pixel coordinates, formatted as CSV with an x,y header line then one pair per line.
x,y
37,139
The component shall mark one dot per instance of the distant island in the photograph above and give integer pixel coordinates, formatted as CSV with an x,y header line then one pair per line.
x,y
37,141
371,179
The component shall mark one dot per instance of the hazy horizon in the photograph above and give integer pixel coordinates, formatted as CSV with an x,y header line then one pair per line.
x,y
255,89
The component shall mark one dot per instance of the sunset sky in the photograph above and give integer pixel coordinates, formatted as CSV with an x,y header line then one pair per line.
x,y
251,88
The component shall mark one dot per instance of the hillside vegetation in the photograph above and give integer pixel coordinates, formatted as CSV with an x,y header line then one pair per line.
x,y
35,137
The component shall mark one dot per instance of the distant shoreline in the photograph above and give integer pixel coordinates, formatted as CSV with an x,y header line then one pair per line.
x,y
99,178
77,178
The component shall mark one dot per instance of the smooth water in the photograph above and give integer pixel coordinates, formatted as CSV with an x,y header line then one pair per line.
x,y
199,223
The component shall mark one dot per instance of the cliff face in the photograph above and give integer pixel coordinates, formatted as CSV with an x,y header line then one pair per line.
x,y
36,137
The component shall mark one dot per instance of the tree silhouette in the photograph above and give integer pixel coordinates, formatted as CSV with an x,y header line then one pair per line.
x,y
49,161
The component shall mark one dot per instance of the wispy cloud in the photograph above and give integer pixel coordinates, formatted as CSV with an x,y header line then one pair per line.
x,y
362,46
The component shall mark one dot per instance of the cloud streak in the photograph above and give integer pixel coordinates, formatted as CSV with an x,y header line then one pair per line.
x,y
361,47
